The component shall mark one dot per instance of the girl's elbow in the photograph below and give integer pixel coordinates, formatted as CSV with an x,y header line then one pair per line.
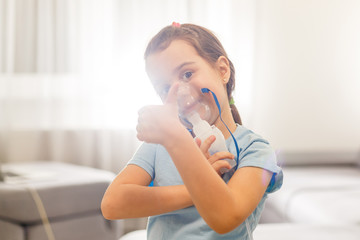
x,y
221,229
224,229
108,210
226,224
105,209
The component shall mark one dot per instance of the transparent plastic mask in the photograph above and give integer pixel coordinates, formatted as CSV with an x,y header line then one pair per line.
x,y
191,100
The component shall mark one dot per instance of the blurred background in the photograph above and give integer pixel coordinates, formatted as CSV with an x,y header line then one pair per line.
x,y
72,75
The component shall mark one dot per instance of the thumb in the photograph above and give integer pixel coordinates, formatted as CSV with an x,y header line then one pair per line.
x,y
172,95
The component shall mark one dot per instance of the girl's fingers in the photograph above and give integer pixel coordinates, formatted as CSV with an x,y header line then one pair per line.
x,y
220,156
207,144
198,142
220,164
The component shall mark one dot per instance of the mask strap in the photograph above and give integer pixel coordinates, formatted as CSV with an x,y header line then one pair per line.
x,y
206,90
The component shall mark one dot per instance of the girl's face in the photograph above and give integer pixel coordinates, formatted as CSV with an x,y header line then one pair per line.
x,y
180,62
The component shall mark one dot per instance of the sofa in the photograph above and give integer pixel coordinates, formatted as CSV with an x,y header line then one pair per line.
x,y
318,195
48,200
319,198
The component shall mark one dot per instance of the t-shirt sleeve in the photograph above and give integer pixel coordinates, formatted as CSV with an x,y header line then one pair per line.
x,y
259,154
144,157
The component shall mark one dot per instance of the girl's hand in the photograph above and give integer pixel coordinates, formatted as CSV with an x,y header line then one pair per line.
x,y
158,123
216,159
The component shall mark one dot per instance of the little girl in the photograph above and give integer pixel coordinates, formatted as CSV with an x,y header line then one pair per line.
x,y
190,197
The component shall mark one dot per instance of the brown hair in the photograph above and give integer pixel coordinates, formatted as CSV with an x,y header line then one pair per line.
x,y
206,44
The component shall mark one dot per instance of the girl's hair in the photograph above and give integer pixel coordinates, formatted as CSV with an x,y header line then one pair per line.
x,y
205,43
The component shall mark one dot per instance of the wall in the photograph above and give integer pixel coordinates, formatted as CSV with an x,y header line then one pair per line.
x,y
307,75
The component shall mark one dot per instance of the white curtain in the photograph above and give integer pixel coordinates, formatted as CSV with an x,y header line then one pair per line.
x,y
72,73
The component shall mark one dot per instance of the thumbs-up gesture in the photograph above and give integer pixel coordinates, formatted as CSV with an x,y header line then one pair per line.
x,y
156,123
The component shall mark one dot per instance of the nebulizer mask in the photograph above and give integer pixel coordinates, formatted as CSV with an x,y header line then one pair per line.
x,y
194,109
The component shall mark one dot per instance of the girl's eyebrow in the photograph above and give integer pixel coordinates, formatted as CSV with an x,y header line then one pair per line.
x,y
159,81
181,66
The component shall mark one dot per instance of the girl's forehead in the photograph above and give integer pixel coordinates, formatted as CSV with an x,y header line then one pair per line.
x,y
177,50
165,61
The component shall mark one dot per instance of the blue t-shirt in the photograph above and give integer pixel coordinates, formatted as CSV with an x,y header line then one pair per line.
x,y
187,223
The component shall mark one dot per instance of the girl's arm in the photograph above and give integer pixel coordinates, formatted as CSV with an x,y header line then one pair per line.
x,y
129,196
223,206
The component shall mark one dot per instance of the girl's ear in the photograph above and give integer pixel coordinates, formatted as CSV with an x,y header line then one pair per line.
x,y
223,66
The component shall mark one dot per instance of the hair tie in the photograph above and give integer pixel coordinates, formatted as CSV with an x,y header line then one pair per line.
x,y
176,24
232,102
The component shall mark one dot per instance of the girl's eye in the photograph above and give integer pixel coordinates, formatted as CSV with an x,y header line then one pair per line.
x,y
187,75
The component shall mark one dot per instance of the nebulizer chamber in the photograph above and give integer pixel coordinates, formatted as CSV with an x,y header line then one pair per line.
x,y
193,108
